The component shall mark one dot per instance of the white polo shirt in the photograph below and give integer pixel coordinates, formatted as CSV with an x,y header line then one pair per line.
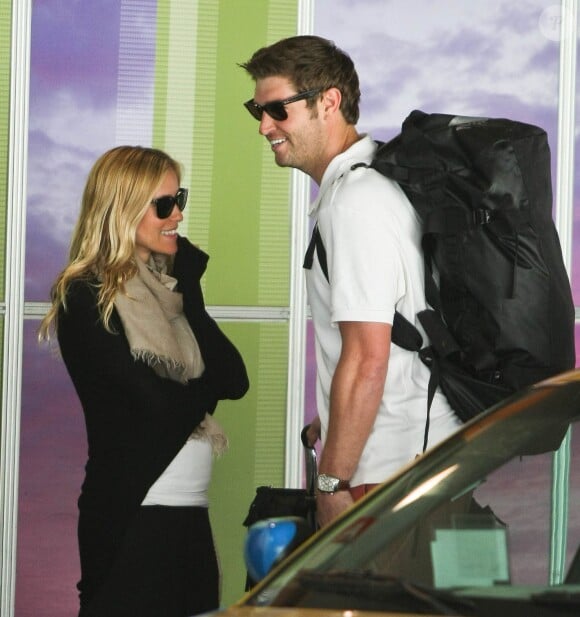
x,y
372,236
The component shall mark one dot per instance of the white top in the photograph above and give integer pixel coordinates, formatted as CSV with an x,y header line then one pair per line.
x,y
185,481
372,235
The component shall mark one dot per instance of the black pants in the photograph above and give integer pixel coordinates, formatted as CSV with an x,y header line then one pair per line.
x,y
166,567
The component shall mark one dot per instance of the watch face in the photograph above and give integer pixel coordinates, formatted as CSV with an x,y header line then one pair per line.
x,y
327,484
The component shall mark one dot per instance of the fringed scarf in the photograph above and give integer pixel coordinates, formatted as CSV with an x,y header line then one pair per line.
x,y
158,333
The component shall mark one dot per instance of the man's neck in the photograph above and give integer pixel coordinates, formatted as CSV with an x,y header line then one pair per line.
x,y
350,138
346,139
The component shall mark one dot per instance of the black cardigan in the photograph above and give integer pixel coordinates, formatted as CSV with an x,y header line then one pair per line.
x,y
136,421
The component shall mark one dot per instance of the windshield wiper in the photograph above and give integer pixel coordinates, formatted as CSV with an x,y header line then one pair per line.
x,y
378,587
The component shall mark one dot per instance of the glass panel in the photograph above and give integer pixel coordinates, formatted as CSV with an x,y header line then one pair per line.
x,y
576,229
72,121
243,221
5,58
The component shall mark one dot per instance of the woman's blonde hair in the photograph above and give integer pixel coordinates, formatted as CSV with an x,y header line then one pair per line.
x,y
119,189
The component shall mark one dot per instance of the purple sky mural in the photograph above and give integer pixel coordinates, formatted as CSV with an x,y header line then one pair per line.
x,y
480,58
495,58
73,94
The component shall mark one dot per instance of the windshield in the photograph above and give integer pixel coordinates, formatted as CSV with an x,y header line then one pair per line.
x,y
472,521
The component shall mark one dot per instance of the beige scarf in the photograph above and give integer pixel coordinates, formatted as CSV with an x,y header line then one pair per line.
x,y
158,333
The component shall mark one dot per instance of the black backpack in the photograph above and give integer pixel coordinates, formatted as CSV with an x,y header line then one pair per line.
x,y
502,314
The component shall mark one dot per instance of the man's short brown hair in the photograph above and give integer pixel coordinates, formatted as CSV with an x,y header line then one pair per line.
x,y
310,62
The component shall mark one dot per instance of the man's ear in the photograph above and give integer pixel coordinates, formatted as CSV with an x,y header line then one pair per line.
x,y
331,100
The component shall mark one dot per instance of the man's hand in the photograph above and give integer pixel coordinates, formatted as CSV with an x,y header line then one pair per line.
x,y
329,506
313,432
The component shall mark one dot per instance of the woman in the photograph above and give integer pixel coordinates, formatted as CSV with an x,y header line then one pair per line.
x,y
149,366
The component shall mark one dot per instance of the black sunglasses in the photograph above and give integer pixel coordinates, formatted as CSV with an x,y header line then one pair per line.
x,y
165,204
276,109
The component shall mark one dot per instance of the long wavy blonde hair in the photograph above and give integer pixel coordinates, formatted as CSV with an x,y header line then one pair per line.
x,y
119,189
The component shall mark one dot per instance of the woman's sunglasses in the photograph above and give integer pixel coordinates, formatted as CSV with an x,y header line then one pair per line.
x,y
165,204
277,109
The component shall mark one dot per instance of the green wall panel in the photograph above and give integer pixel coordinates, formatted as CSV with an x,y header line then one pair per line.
x,y
185,75
239,208
255,426
250,209
237,235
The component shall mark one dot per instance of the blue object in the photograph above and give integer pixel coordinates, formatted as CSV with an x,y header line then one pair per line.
x,y
268,542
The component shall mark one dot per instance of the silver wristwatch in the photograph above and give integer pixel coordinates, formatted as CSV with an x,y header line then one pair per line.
x,y
331,484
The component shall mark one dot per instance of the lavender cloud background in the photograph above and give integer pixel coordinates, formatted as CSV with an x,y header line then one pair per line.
x,y
73,93
467,58
491,58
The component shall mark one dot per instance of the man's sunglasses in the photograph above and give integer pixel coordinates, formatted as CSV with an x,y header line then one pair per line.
x,y
277,109
165,204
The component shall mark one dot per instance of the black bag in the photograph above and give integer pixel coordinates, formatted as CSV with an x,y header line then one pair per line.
x,y
271,502
502,315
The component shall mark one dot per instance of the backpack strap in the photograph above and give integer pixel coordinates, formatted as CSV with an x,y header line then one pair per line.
x,y
315,244
404,334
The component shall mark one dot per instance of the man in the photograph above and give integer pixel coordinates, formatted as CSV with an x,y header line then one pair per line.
x,y
372,420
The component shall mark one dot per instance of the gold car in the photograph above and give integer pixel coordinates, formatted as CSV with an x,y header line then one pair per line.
x,y
487,523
